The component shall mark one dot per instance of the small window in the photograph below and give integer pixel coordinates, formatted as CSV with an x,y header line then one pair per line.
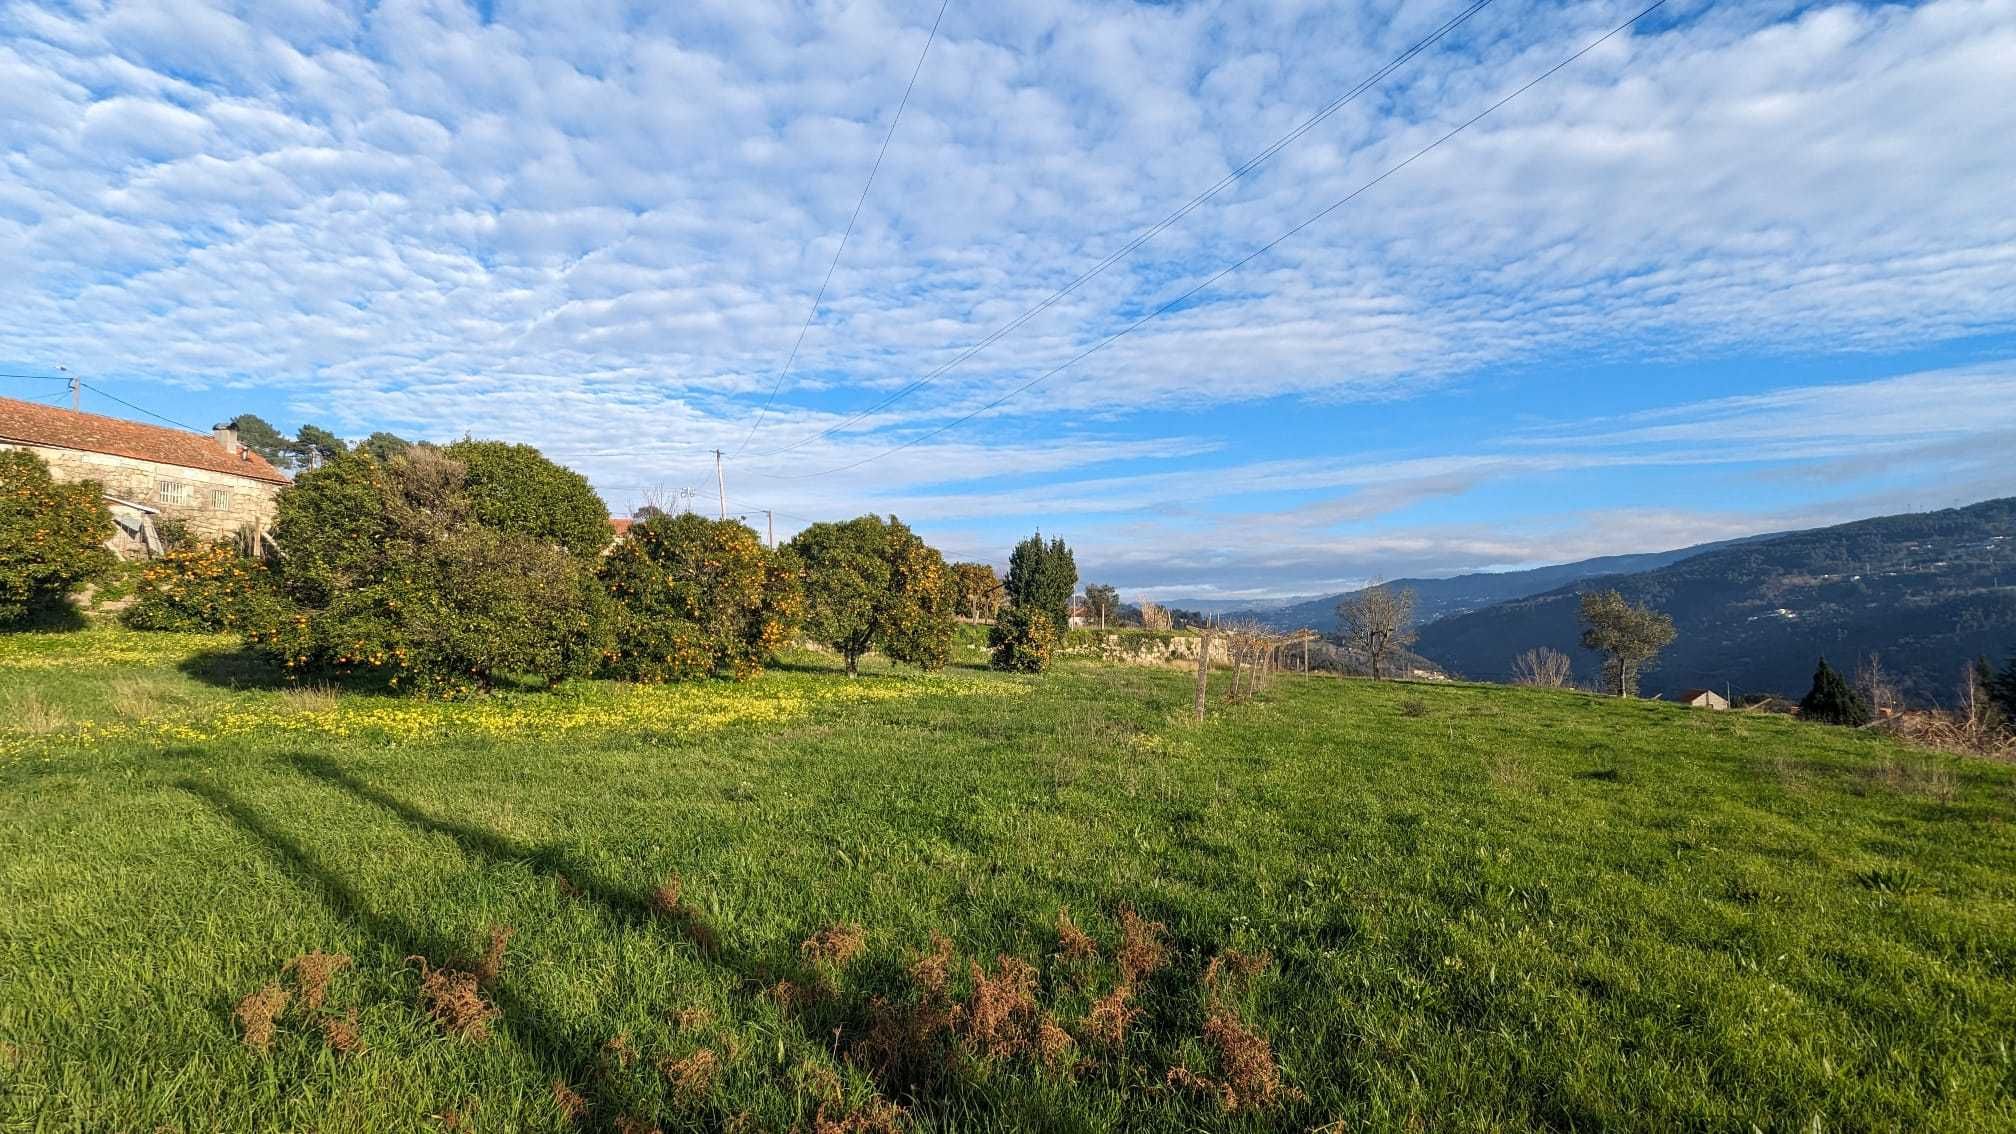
x,y
173,492
220,500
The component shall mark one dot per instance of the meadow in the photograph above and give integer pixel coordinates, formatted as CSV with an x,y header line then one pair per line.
x,y
970,901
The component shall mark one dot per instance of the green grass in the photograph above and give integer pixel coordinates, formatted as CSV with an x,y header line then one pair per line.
x,y
1500,909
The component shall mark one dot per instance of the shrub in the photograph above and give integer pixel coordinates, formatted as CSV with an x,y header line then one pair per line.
x,y
457,614
1832,700
698,597
52,536
874,584
513,488
205,587
1022,640
393,576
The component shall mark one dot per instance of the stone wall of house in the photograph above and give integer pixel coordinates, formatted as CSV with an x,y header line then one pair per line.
x,y
214,505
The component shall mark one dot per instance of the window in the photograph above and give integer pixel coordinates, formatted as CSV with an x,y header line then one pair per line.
x,y
220,500
173,492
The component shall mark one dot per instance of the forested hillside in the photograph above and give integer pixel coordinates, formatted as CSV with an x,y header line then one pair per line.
x,y
1460,594
1926,590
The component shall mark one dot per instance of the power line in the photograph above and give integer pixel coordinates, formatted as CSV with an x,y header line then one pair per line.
x,y
43,377
1153,230
1235,265
872,171
141,409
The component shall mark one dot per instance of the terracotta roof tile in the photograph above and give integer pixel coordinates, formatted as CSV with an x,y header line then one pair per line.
x,y
27,423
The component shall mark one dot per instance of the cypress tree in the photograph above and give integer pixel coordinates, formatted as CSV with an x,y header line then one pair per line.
x,y
1041,576
1832,701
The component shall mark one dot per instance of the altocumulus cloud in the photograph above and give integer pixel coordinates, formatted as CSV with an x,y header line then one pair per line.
x,y
535,221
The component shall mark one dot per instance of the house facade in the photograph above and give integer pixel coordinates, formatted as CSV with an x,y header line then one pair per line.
x,y
215,487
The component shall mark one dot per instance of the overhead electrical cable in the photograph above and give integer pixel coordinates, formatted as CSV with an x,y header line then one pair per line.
x,y
1153,230
820,297
1235,265
141,409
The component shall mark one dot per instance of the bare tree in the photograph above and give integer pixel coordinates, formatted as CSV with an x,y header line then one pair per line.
x,y
1545,667
1154,616
1377,621
1875,684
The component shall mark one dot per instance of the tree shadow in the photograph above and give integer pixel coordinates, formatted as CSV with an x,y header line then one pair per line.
x,y
630,907
240,668
47,615
836,1019
543,1037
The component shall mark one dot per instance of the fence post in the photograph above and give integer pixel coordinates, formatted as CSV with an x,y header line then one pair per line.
x,y
1203,670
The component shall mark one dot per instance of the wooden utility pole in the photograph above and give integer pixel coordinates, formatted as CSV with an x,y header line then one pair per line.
x,y
1203,670
721,483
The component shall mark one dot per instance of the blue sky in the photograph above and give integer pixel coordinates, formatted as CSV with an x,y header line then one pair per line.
x,y
1747,267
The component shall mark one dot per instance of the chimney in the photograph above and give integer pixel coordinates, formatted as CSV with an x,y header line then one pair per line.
x,y
226,433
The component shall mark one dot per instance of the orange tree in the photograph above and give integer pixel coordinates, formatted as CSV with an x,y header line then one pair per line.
x,y
52,536
204,586
698,597
872,584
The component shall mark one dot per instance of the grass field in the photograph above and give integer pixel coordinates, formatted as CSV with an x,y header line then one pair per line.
x,y
1431,908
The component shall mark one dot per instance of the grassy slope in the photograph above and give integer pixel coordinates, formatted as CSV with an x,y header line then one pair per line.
x,y
1489,909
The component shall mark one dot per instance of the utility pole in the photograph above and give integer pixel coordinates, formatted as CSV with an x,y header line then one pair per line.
x,y
76,387
721,484
770,528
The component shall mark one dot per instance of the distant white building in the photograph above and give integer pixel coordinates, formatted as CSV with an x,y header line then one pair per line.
x,y
1702,699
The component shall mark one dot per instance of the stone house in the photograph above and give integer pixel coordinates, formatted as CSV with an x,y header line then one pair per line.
x,y
214,486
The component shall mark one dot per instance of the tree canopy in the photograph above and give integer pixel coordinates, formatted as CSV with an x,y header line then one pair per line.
x,y
52,537
699,597
1628,636
871,584
1377,620
514,488
1042,576
1832,700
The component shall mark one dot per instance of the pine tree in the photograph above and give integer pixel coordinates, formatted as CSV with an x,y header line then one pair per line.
x,y
1832,700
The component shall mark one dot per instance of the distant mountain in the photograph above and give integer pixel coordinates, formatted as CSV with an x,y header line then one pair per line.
x,y
1441,598
1927,591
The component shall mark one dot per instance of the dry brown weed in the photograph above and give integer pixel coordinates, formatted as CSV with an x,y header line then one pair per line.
x,y
1054,1045
877,1115
628,1124
312,972
835,946
619,1051
341,1034
1249,1079
491,965
1232,967
571,1105
256,1014
1107,1021
454,999
693,1076
693,1019
999,1019
1074,944
1143,947
669,901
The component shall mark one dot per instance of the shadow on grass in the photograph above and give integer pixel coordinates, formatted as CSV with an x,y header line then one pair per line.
x,y
47,616
832,1018
631,908
241,668
541,1036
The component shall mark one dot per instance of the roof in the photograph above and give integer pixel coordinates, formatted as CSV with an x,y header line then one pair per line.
x,y
621,525
26,423
1697,694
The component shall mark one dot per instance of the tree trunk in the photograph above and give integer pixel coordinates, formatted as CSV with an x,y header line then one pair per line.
x,y
853,664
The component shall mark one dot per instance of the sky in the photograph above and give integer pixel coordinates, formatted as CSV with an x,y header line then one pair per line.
x,y
1741,267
